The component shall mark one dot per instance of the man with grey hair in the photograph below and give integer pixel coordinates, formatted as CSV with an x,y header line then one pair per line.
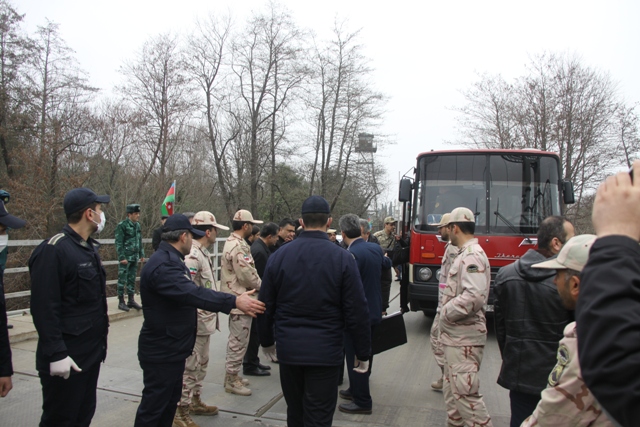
x,y
370,260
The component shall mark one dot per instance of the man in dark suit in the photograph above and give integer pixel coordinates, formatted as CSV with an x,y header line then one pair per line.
x,y
69,309
170,299
260,252
313,294
370,260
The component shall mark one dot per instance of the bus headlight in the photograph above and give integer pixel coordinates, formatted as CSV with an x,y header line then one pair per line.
x,y
438,275
424,274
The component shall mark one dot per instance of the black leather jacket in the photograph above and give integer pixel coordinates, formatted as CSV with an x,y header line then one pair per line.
x,y
529,322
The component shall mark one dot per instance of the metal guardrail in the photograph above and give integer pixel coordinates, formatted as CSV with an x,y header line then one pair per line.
x,y
216,253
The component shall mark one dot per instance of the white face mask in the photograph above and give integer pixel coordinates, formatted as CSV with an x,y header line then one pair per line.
x,y
4,240
103,221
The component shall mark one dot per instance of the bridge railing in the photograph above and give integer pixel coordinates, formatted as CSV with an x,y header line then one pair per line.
x,y
216,252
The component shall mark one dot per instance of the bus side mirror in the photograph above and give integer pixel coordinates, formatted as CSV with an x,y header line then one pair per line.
x,y
567,192
405,190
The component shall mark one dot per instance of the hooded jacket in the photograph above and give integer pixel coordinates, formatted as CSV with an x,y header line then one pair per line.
x,y
529,321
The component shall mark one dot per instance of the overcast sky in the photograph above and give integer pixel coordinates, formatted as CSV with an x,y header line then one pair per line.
x,y
423,52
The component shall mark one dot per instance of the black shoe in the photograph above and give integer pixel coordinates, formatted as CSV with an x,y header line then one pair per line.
x,y
352,408
264,367
9,326
121,305
345,394
133,304
256,372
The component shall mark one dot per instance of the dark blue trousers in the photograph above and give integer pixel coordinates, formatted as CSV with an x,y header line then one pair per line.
x,y
522,405
70,402
310,393
358,383
162,389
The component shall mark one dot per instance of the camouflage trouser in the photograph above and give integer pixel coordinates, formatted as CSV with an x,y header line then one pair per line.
x,y
195,369
436,346
239,329
127,276
461,387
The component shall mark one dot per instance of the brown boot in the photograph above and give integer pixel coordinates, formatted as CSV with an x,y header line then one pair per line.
x,y
182,418
198,407
233,384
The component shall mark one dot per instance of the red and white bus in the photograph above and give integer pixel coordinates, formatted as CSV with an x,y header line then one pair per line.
x,y
510,192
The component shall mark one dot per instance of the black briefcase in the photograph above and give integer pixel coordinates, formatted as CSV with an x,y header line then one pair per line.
x,y
390,333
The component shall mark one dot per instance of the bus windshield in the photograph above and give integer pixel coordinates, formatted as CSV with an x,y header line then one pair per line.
x,y
508,192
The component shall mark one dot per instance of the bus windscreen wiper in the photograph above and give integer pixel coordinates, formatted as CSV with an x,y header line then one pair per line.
x,y
512,227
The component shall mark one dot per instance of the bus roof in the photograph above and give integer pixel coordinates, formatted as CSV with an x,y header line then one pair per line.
x,y
487,151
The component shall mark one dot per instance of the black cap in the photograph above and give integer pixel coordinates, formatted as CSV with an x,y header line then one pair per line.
x,y
80,198
180,222
9,220
133,208
315,204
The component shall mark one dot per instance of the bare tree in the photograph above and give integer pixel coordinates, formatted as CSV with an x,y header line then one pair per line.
x,y
158,86
265,64
560,105
343,104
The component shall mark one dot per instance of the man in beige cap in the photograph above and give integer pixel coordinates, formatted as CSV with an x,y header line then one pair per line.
x,y
200,266
450,252
387,236
463,329
238,274
567,400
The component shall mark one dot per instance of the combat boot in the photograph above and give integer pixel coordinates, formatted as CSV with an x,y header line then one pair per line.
x,y
233,384
133,304
121,304
244,381
182,418
198,407
437,385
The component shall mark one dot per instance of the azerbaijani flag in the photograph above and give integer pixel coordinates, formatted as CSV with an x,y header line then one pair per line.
x,y
169,201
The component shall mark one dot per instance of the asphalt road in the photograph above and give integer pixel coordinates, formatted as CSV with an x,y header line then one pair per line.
x,y
399,385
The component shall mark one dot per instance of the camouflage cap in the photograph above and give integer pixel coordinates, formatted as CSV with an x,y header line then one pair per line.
x,y
574,254
390,220
444,221
461,215
245,216
207,218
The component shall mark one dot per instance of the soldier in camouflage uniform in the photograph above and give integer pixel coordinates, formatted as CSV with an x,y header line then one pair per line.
x,y
387,237
567,400
130,251
463,330
238,275
450,252
200,265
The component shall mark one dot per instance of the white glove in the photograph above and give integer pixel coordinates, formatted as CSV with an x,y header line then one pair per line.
x,y
62,368
270,353
360,366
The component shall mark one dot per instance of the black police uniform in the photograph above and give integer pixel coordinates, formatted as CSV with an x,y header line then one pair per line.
x,y
170,299
69,309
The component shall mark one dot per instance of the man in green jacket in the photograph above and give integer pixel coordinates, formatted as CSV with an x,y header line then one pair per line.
x,y
130,251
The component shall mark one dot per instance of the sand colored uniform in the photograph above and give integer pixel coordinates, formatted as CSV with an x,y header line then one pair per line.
x,y
450,253
200,266
567,401
238,275
463,334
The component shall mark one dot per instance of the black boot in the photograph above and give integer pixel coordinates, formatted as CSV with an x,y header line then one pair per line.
x,y
121,305
133,304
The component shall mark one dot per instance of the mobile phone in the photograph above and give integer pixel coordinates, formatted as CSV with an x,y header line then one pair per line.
x,y
631,173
